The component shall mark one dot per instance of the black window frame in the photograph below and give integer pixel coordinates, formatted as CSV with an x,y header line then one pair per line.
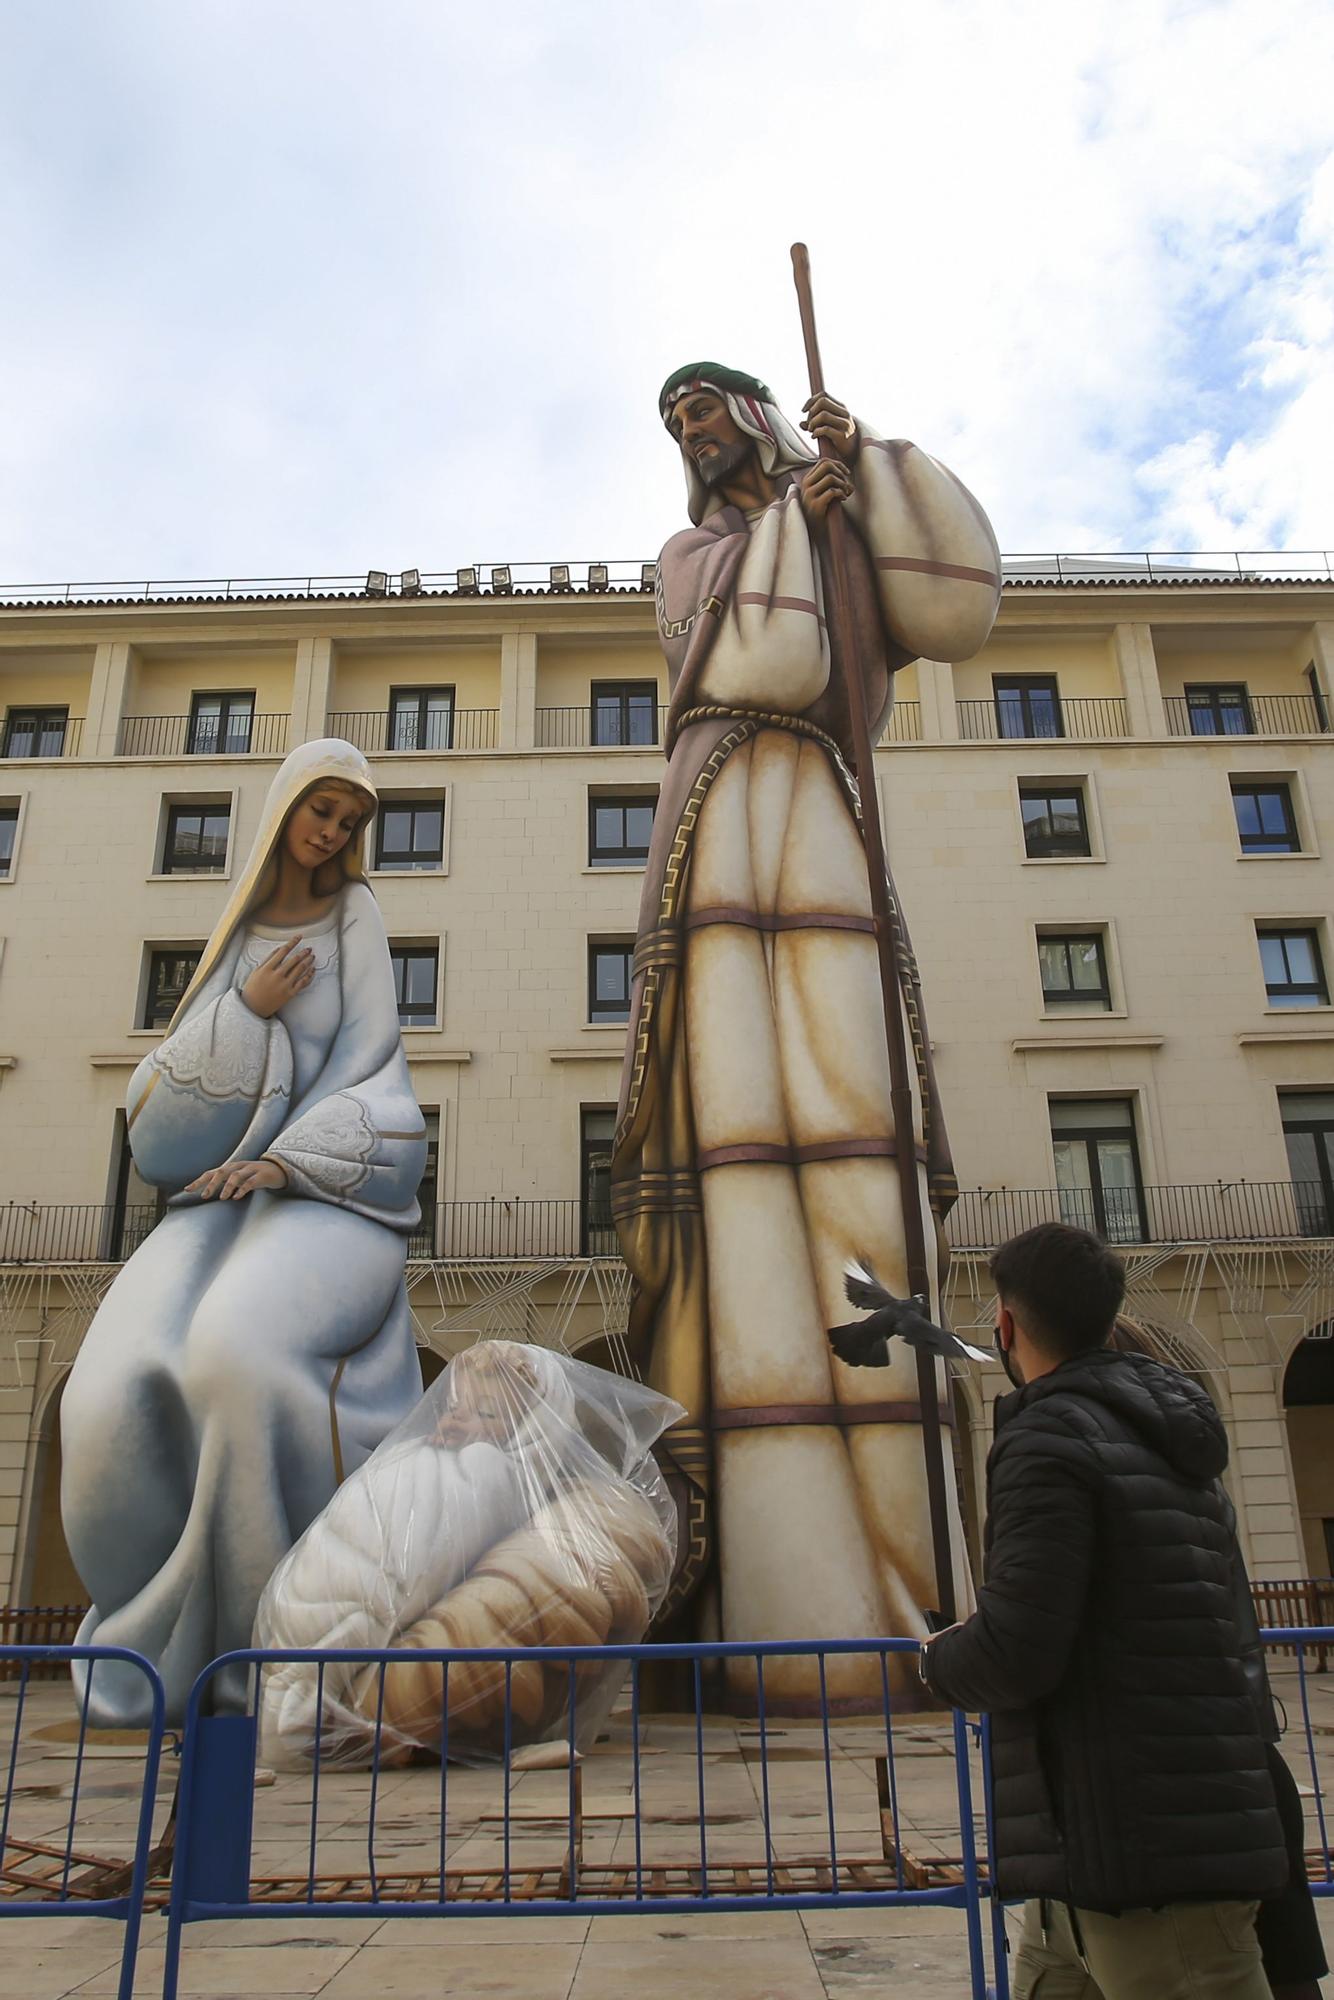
x,y
1318,700
169,864
1064,999
1024,687
1260,788
408,861
400,950
1302,992
609,1014
124,1236
597,1232
9,816
1312,1221
623,856
222,744
423,1240
40,717
1089,1136
401,697
624,694
1206,698
156,952
1054,846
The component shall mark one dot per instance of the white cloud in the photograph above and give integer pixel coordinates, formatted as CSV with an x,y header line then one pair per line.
x,y
298,287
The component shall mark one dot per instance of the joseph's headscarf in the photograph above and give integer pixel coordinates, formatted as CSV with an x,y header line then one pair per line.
x,y
753,410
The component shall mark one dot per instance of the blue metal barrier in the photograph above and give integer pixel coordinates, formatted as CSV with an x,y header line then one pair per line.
x,y
1301,1735
61,1879
813,1853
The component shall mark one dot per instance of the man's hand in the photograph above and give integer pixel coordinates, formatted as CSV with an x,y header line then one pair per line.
x,y
284,973
234,1182
828,485
827,418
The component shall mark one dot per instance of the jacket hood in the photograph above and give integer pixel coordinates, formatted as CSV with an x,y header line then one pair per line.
x,y
1172,1413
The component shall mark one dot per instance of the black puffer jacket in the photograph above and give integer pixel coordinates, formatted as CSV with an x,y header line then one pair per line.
x,y
1130,1767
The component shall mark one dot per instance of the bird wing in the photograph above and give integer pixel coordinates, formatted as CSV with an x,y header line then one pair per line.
x,y
862,1288
973,1353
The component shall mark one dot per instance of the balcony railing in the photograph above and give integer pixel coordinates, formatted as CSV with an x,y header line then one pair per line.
x,y
1081,718
378,733
1259,715
198,736
572,729
905,723
51,739
504,1229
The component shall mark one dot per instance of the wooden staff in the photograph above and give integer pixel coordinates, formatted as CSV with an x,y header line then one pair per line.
x,y
844,640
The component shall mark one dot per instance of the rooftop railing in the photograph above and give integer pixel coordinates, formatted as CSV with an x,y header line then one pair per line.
x,y
1081,718
510,1229
1182,566
1253,715
377,732
195,736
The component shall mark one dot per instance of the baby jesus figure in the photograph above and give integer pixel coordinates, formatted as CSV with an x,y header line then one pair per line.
x,y
519,1505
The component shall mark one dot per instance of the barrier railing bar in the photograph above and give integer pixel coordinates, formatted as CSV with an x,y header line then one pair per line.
x,y
699,1779
972,1908
13,1757
75,1784
764,1774
573,1847
828,1773
507,1767
315,1783
375,1784
1309,1732
444,1781
639,1815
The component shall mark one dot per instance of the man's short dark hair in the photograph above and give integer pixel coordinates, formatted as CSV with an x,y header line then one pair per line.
x,y
1064,1285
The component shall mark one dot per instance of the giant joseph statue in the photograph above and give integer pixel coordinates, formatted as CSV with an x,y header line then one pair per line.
x,y
755,1151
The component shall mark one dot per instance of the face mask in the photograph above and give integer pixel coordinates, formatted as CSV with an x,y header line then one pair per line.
x,y
1013,1376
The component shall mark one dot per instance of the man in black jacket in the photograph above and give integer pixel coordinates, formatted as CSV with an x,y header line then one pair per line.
x,y
1133,1802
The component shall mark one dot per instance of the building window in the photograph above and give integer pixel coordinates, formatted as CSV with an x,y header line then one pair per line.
x,y
609,962
221,724
416,980
1319,706
170,970
1027,705
1294,973
625,712
1097,1166
136,1207
410,834
1074,969
421,718
597,1126
619,830
1055,822
35,732
1265,820
9,833
422,1242
1219,709
1308,1132
196,840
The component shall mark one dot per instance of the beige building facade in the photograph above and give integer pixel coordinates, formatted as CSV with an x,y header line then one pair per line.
x,y
1113,833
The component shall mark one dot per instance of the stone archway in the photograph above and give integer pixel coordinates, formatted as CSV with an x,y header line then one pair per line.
x,y
1308,1407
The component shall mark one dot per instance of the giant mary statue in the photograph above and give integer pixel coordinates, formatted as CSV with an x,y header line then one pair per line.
x,y
258,1344
755,1149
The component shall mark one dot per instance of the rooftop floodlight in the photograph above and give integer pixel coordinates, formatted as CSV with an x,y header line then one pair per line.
x,y
410,583
467,577
500,577
598,576
648,576
377,583
560,576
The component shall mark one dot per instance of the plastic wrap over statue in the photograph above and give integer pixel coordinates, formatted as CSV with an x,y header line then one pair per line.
x,y
518,1505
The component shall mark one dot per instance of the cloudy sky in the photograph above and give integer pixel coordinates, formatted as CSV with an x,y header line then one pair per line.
x,y
296,285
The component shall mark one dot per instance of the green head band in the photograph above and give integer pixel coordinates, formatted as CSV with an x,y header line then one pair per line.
x,y
713,375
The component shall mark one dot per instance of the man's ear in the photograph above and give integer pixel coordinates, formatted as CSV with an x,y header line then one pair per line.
x,y
1005,1327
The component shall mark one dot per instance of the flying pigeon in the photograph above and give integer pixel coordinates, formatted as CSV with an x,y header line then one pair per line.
x,y
864,1343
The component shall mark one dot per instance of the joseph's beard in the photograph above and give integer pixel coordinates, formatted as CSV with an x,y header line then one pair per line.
x,y
719,465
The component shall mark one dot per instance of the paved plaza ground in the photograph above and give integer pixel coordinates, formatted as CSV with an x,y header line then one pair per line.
x,y
831,1954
